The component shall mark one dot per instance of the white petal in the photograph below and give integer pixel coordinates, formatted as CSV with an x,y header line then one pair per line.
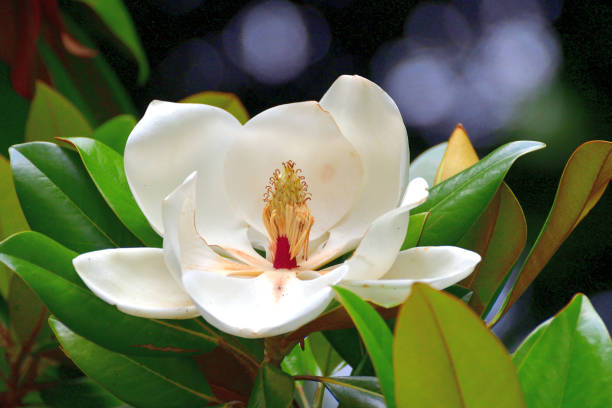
x,y
274,303
306,134
371,121
416,193
137,281
440,267
183,246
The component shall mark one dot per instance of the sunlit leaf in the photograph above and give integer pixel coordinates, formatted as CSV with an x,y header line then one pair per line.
x,y
444,356
223,100
567,361
458,156
59,199
273,389
116,17
376,337
105,167
114,132
139,381
456,203
46,267
52,115
584,180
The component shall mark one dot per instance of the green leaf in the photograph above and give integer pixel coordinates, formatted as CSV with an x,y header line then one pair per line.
x,y
63,83
139,381
13,112
300,362
12,219
326,357
59,199
105,167
460,292
426,164
46,267
567,361
376,337
354,392
444,356
273,389
114,133
456,203
95,79
347,344
116,17
25,310
52,115
223,100
499,236
79,392
415,229
584,180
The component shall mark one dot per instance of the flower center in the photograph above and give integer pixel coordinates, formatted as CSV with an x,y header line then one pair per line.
x,y
286,216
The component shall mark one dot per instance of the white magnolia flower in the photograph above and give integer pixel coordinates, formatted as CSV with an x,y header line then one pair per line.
x,y
335,172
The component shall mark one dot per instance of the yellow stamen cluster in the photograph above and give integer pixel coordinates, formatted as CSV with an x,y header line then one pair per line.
x,y
286,213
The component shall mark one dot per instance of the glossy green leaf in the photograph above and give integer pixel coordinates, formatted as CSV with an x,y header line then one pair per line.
x,y
326,357
567,361
300,362
499,236
52,115
273,389
95,79
80,392
415,229
12,219
59,199
13,112
114,133
376,337
426,164
223,100
444,356
354,392
347,344
46,267
456,203
105,167
585,178
139,381
116,17
460,292
63,83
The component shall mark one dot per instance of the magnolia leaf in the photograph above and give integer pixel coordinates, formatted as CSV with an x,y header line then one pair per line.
x,y
584,180
105,167
444,356
82,392
301,361
12,219
59,199
114,132
116,17
456,203
376,336
13,112
273,389
325,355
458,156
27,312
354,392
426,164
52,115
567,360
46,266
415,229
223,100
139,381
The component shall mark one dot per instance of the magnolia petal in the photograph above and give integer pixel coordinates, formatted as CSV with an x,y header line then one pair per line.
x,y
184,248
371,121
306,134
439,267
273,303
416,193
137,281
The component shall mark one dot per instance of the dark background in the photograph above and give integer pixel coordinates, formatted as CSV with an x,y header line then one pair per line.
x,y
188,44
